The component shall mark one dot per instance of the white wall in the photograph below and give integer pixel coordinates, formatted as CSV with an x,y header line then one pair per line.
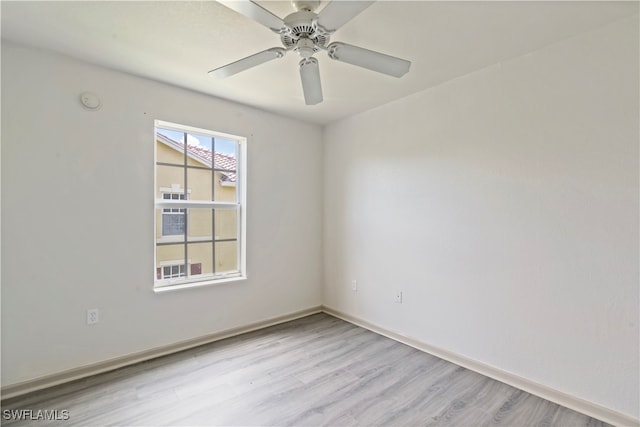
x,y
504,205
77,195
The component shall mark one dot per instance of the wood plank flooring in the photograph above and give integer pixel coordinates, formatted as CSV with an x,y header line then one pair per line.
x,y
313,371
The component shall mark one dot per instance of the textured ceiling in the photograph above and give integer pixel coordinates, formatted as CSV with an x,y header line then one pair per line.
x,y
178,42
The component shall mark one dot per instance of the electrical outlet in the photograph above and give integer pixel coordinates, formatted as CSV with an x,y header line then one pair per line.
x,y
399,297
93,316
354,285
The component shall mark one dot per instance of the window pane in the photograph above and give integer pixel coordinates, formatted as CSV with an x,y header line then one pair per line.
x,y
226,224
226,154
169,258
226,257
198,150
201,254
170,147
199,141
169,179
199,182
200,224
226,175
225,187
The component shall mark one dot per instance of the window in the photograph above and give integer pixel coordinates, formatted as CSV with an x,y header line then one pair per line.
x,y
173,218
200,214
172,271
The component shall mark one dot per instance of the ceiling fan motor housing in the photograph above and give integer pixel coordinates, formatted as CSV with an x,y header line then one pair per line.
x,y
301,26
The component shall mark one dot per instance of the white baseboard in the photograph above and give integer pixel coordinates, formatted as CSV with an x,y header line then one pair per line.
x,y
43,382
580,405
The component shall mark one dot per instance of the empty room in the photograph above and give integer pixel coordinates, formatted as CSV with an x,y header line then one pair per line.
x,y
305,213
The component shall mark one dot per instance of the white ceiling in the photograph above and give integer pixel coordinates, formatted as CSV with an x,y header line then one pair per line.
x,y
178,42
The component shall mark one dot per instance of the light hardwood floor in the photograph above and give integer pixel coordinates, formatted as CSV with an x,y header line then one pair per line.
x,y
313,371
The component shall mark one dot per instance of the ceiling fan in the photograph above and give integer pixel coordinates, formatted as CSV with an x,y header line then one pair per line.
x,y
307,32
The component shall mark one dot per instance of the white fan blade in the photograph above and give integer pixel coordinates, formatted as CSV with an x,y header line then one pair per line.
x,y
256,12
339,12
248,62
369,59
310,75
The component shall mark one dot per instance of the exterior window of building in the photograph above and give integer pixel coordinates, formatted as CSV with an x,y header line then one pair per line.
x,y
173,271
200,205
173,218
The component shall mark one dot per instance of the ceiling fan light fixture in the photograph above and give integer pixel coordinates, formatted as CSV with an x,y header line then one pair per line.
x,y
305,48
310,76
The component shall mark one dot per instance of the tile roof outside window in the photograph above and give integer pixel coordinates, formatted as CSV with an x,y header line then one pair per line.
x,y
203,155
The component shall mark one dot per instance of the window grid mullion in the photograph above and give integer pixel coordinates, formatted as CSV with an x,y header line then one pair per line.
x,y
186,222
231,239
239,189
213,198
206,168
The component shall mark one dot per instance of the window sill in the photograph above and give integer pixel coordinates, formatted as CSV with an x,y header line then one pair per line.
x,y
169,288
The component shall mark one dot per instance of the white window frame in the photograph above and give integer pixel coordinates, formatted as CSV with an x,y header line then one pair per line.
x,y
240,207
